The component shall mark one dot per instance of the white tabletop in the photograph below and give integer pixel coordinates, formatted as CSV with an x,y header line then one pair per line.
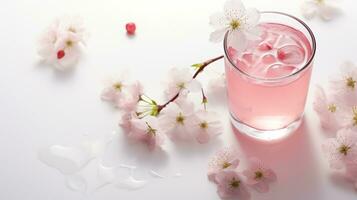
x,y
40,106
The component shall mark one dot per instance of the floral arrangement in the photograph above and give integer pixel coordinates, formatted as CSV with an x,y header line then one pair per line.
x,y
222,170
338,115
182,118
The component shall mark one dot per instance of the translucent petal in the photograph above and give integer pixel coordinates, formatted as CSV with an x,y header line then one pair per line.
x,y
218,35
234,9
251,18
218,20
309,9
237,40
328,12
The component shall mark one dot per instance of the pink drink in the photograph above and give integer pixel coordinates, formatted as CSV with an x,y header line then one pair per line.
x,y
268,83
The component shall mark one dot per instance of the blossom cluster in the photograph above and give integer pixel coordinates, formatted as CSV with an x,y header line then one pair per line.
x,y
337,111
222,170
146,121
325,9
60,44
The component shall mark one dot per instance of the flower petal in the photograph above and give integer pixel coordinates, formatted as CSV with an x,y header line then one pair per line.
x,y
202,137
218,35
309,9
218,20
328,12
251,18
234,9
237,40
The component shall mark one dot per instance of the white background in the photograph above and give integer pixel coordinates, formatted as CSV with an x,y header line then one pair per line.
x,y
40,106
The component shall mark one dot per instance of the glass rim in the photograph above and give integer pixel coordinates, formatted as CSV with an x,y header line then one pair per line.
x,y
306,65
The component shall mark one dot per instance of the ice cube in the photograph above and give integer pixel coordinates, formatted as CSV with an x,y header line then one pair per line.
x,y
242,65
279,70
248,58
268,59
265,46
291,54
232,53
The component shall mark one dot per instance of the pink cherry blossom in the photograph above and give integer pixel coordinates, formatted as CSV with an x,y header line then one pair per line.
x,y
348,117
129,103
114,92
180,80
341,150
231,185
344,85
224,159
175,118
59,45
327,109
74,25
126,121
147,130
205,125
259,176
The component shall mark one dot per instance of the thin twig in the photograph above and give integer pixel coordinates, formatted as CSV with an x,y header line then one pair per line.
x,y
200,69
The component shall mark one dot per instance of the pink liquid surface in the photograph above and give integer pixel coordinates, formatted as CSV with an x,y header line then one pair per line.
x,y
266,97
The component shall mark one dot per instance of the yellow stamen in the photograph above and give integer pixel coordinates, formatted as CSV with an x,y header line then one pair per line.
x,y
258,175
69,43
204,125
151,131
235,183
351,83
181,85
332,107
226,165
344,149
180,119
235,24
118,86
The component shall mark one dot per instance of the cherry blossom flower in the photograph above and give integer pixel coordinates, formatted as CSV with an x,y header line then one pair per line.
x,y
349,117
341,150
324,8
114,92
231,185
327,109
175,119
205,125
180,80
345,84
74,25
147,130
60,44
259,176
224,159
135,92
126,121
240,23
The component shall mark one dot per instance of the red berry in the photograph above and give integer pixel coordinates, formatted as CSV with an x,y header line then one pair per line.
x,y
60,54
130,28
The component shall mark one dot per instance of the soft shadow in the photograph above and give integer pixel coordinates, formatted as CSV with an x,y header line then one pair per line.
x,y
340,181
293,159
193,149
60,75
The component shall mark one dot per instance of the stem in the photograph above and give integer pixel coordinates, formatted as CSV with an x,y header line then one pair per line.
x,y
204,65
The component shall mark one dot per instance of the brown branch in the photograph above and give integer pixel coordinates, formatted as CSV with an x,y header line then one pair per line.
x,y
200,69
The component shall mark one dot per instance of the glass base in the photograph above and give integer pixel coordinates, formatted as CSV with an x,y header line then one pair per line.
x,y
266,135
